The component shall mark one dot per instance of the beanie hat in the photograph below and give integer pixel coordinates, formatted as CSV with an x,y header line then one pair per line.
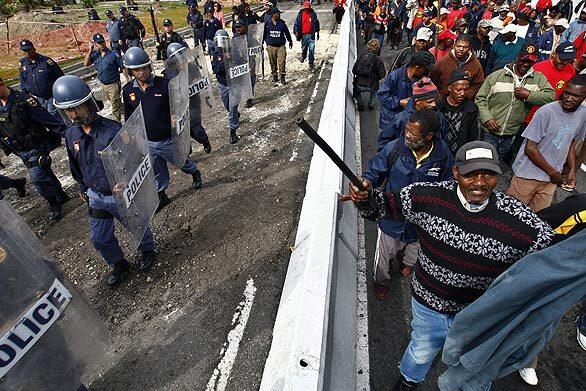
x,y
424,89
458,75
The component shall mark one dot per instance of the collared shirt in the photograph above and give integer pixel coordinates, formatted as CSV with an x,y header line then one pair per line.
x,y
468,206
113,29
108,66
419,161
37,78
513,42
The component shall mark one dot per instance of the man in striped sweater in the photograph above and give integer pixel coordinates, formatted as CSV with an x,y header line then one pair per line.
x,y
469,234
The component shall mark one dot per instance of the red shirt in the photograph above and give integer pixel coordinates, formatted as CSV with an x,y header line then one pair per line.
x,y
454,16
557,79
306,23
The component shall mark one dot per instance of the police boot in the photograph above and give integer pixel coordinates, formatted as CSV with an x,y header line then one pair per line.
x,y
196,180
283,82
275,79
147,258
62,197
54,209
118,271
19,184
404,385
207,147
249,103
233,136
163,201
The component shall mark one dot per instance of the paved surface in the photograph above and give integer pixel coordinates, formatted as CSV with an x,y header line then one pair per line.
x,y
561,366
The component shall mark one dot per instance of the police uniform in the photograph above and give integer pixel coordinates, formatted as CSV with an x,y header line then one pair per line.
x,y
157,117
37,78
195,20
219,68
88,170
131,30
166,40
23,129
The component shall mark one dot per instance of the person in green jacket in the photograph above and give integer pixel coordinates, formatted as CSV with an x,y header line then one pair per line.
x,y
506,96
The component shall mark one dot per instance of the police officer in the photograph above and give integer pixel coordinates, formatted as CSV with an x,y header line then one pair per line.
x,y
87,135
132,30
196,129
153,92
37,75
108,65
29,131
195,20
218,66
19,184
168,37
211,25
240,28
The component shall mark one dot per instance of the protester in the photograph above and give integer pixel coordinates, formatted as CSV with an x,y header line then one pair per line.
x,y
577,27
499,22
461,27
444,44
397,87
470,208
462,58
422,44
276,34
550,141
397,18
306,29
426,23
505,50
460,112
368,20
456,14
526,29
418,156
219,14
551,39
368,69
501,112
481,44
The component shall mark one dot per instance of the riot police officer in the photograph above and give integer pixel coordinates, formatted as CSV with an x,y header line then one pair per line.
x,y
153,93
30,132
87,136
37,73
240,28
196,129
132,30
167,38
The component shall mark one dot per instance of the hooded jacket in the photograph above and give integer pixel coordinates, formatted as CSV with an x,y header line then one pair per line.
x,y
395,87
496,98
441,71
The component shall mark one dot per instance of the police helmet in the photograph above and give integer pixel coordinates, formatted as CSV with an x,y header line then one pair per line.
x,y
174,48
222,39
136,57
74,100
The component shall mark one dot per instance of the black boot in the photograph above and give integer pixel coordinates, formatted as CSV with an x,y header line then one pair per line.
x,y
207,147
147,258
54,209
118,271
233,136
283,82
275,79
249,103
62,197
19,184
163,201
405,385
196,180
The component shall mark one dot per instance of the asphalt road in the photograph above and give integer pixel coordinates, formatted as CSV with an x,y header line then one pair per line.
x,y
561,366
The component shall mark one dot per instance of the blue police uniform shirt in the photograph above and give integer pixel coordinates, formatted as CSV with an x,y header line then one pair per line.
x,y
108,66
218,66
37,113
83,151
276,34
210,27
113,29
155,106
37,78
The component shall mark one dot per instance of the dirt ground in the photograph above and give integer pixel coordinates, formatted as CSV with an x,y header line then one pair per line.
x,y
561,365
169,327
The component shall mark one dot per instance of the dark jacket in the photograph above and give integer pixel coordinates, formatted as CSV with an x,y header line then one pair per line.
x,y
404,57
195,19
218,66
314,23
276,34
395,87
469,125
376,72
482,50
441,71
210,27
436,168
131,28
545,45
37,78
502,54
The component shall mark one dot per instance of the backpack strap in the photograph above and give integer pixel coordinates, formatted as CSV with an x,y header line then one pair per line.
x,y
392,158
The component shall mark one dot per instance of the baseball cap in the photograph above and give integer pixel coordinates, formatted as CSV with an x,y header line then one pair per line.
x,y
275,10
109,12
477,155
562,22
167,22
458,75
25,45
122,9
485,23
566,51
447,34
528,52
523,16
504,8
424,89
306,4
444,11
98,38
428,13
509,28
424,34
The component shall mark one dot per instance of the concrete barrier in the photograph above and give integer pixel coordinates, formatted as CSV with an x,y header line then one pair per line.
x,y
314,338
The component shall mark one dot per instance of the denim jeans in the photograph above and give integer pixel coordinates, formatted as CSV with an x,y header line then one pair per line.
x,y
502,144
308,44
359,89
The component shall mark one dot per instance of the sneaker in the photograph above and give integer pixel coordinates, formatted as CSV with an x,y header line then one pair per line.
x,y
20,186
381,291
196,180
115,277
581,331
406,270
529,376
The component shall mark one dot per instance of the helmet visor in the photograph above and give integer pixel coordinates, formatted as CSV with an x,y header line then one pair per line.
x,y
83,114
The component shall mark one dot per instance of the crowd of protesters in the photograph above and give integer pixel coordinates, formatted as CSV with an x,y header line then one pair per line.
x,y
482,91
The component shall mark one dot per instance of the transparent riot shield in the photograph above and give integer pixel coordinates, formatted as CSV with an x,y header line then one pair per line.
x,y
238,70
201,96
179,107
255,49
50,337
130,175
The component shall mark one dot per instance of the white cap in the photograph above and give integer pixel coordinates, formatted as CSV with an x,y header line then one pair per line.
x,y
504,8
562,22
424,33
509,28
444,11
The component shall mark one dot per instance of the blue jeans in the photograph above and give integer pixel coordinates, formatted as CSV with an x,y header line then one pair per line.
x,y
233,114
161,153
502,144
308,43
43,178
102,230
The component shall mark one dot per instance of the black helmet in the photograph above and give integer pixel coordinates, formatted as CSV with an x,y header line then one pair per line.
x,y
136,57
74,100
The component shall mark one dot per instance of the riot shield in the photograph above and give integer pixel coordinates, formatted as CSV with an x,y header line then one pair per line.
x,y
179,107
130,175
201,96
238,70
255,49
50,337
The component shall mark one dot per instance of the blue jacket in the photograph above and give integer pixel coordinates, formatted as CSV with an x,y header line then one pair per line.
x,y
532,35
210,27
84,149
436,168
505,329
502,54
395,87
314,23
545,45
276,34
218,66
107,67
113,29
396,127
37,78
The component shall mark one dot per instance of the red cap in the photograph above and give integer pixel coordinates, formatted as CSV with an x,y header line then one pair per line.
x,y
447,34
307,4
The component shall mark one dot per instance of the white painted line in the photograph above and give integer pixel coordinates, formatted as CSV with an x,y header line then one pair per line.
x,y
362,356
219,379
